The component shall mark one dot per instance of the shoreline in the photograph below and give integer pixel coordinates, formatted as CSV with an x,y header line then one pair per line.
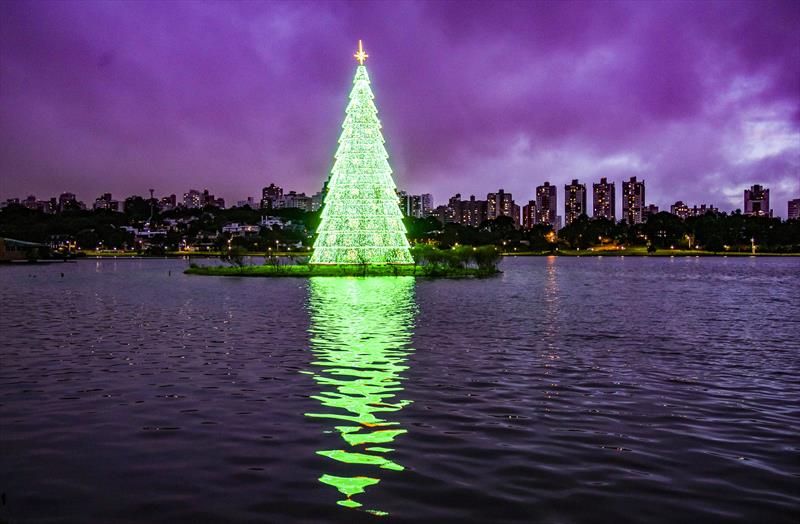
x,y
658,254
560,253
634,251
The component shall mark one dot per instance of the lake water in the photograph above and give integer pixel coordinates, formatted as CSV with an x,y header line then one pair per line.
x,y
565,390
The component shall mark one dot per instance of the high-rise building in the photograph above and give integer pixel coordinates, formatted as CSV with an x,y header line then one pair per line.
x,y
650,210
65,200
30,202
756,201
52,205
603,200
45,206
454,210
105,201
410,205
270,195
473,212
574,201
491,206
529,215
427,203
633,201
168,202
292,199
209,200
702,209
444,214
316,200
470,212
249,201
546,205
500,204
193,199
679,209
404,202
418,206
794,209
69,201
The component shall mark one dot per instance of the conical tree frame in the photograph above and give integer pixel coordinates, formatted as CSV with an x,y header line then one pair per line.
x,y
361,222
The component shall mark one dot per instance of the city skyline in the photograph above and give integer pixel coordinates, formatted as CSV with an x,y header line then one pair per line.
x,y
700,100
545,208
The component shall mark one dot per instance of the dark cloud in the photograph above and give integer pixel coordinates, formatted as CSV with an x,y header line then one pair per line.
x,y
698,98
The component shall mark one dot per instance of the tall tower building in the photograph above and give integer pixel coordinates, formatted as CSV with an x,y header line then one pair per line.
x,y
633,207
470,212
418,206
193,199
794,209
679,209
604,203
546,205
529,215
270,196
454,209
427,203
473,212
756,201
702,209
574,201
499,204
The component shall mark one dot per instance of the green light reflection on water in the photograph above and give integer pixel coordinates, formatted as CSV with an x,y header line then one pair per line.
x,y
360,334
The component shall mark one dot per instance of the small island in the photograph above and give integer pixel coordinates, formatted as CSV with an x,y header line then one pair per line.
x,y
459,262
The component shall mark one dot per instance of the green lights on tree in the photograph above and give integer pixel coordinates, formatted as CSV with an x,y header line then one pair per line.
x,y
361,222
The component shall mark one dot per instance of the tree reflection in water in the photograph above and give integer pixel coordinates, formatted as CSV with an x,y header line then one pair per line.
x,y
360,334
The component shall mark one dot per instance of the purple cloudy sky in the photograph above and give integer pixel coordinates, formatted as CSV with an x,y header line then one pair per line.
x,y
700,99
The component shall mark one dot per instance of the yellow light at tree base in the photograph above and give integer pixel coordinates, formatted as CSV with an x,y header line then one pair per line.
x,y
361,222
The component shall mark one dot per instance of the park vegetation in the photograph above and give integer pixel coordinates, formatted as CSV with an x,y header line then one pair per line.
x,y
662,232
201,230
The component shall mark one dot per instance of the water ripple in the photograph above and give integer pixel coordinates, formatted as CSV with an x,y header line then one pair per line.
x,y
565,390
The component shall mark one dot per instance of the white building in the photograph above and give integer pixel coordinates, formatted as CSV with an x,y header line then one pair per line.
x,y
235,228
271,222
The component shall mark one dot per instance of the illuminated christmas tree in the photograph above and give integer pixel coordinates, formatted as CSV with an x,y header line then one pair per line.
x,y
361,221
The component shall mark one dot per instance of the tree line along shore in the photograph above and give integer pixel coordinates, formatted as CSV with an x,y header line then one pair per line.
x,y
207,232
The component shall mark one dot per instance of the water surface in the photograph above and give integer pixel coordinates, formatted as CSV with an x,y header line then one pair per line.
x,y
565,390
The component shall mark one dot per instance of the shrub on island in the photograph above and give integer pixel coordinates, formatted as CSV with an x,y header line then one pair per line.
x,y
433,261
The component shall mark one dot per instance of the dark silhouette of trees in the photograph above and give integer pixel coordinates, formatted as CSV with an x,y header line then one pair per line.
x,y
102,228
